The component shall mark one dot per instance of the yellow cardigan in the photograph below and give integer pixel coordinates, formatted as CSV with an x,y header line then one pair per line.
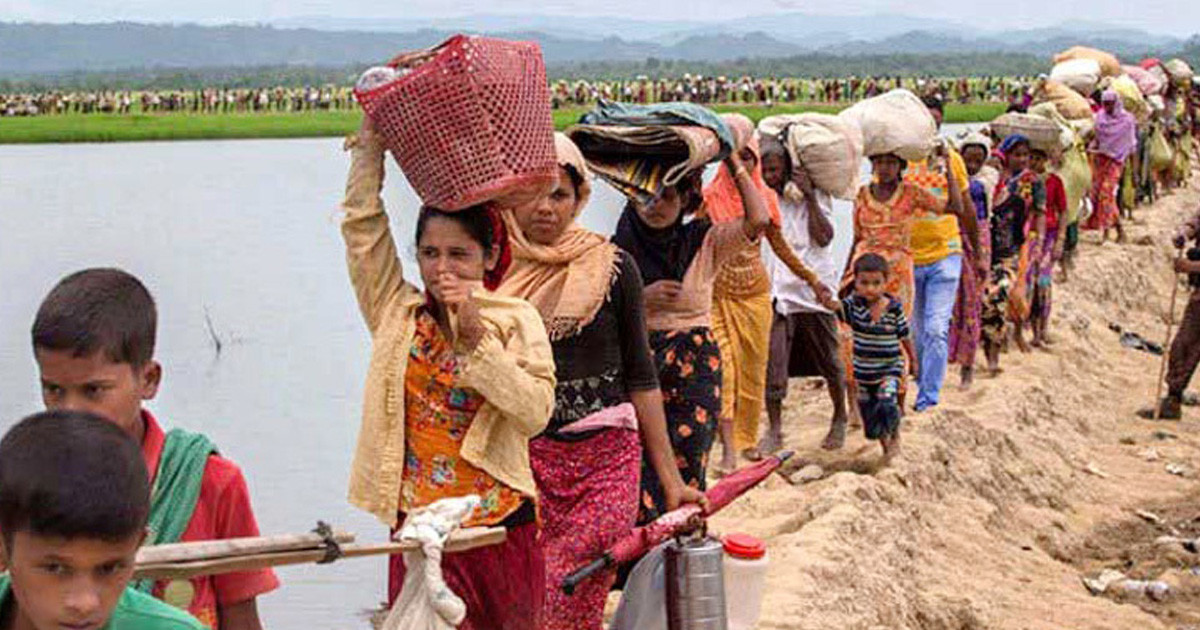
x,y
512,368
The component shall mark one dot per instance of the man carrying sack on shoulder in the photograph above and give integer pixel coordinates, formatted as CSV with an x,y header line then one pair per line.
x,y
1184,354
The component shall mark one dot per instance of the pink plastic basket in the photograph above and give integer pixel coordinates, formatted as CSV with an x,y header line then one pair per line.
x,y
470,122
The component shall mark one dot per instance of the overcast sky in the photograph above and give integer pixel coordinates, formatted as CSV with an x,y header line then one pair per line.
x,y
1178,17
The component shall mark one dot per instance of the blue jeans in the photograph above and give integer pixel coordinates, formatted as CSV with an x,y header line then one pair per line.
x,y
936,291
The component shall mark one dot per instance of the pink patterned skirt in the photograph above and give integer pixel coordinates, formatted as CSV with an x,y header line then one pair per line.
x,y
589,492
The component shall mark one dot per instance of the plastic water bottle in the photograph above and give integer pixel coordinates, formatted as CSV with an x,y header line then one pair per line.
x,y
745,567
696,585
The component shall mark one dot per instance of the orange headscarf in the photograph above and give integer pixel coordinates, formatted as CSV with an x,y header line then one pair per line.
x,y
722,201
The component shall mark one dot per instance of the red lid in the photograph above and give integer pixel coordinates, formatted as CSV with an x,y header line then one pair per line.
x,y
745,546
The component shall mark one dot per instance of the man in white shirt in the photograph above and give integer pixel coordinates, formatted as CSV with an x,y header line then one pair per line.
x,y
804,334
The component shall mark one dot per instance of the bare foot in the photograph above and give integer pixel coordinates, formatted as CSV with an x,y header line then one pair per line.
x,y
967,378
891,447
770,443
856,422
836,438
721,470
727,465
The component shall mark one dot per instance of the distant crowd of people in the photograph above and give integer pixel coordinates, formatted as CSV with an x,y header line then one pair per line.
x,y
565,93
203,101
751,90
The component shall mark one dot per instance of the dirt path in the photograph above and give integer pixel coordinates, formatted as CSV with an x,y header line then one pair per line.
x,y
1007,494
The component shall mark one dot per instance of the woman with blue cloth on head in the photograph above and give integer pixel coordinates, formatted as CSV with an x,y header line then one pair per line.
x,y
1018,221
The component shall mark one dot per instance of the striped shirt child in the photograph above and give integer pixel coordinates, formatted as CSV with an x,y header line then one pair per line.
x,y
877,351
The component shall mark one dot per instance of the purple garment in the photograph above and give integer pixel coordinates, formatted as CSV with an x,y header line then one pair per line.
x,y
1116,133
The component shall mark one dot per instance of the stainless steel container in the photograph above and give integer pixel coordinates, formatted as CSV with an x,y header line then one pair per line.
x,y
695,585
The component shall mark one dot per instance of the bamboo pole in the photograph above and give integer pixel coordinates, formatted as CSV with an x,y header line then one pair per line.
x,y
215,549
459,541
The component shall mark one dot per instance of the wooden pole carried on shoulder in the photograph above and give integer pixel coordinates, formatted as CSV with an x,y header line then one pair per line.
x,y
183,561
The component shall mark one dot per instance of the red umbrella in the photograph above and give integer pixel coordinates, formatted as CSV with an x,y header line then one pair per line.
x,y
684,519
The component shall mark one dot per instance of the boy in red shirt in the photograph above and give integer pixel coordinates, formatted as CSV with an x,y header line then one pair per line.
x,y
93,340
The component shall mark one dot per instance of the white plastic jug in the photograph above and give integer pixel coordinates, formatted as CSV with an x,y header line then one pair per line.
x,y
745,567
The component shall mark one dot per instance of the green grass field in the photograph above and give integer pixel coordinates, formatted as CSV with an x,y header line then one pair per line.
x,y
146,127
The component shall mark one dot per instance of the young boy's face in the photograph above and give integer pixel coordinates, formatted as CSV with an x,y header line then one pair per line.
x,y
67,584
775,170
113,391
869,284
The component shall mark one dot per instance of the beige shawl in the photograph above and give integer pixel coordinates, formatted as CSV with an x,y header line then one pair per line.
x,y
567,282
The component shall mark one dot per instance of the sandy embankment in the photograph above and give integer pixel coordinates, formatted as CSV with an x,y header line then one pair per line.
x,y
983,520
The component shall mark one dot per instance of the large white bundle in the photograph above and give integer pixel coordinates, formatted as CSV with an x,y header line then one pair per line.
x,y
1081,75
896,122
829,148
1110,66
1067,135
1043,133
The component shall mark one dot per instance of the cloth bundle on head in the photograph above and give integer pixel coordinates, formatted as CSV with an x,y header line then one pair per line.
x,y
974,138
1067,134
567,281
1041,133
1081,75
1149,83
1069,103
722,200
828,148
1179,71
897,123
642,149
1110,66
1115,133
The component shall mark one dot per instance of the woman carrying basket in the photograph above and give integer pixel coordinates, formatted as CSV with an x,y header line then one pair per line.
x,y
608,404
679,261
460,380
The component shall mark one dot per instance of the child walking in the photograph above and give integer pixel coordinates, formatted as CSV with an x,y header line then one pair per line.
x,y
880,332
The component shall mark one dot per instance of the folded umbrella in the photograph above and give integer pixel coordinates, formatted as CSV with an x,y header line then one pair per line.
x,y
679,521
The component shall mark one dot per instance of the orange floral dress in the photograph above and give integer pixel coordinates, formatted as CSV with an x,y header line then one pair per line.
x,y
885,228
437,416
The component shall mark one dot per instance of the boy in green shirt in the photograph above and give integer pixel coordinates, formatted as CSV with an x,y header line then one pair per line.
x,y
74,501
